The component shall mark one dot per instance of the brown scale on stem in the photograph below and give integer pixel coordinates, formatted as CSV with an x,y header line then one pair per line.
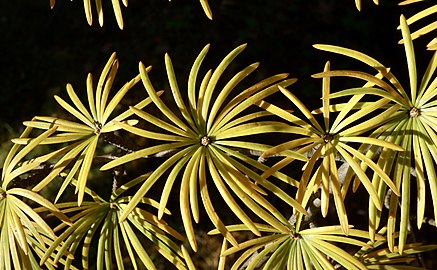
x,y
327,138
205,140
414,112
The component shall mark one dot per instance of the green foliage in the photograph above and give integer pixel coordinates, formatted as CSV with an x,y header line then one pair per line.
x,y
202,142
117,10
297,249
210,136
409,122
22,229
330,144
82,137
422,15
358,3
101,219
376,256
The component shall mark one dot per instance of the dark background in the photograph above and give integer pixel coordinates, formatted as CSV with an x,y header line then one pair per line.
x,y
42,49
